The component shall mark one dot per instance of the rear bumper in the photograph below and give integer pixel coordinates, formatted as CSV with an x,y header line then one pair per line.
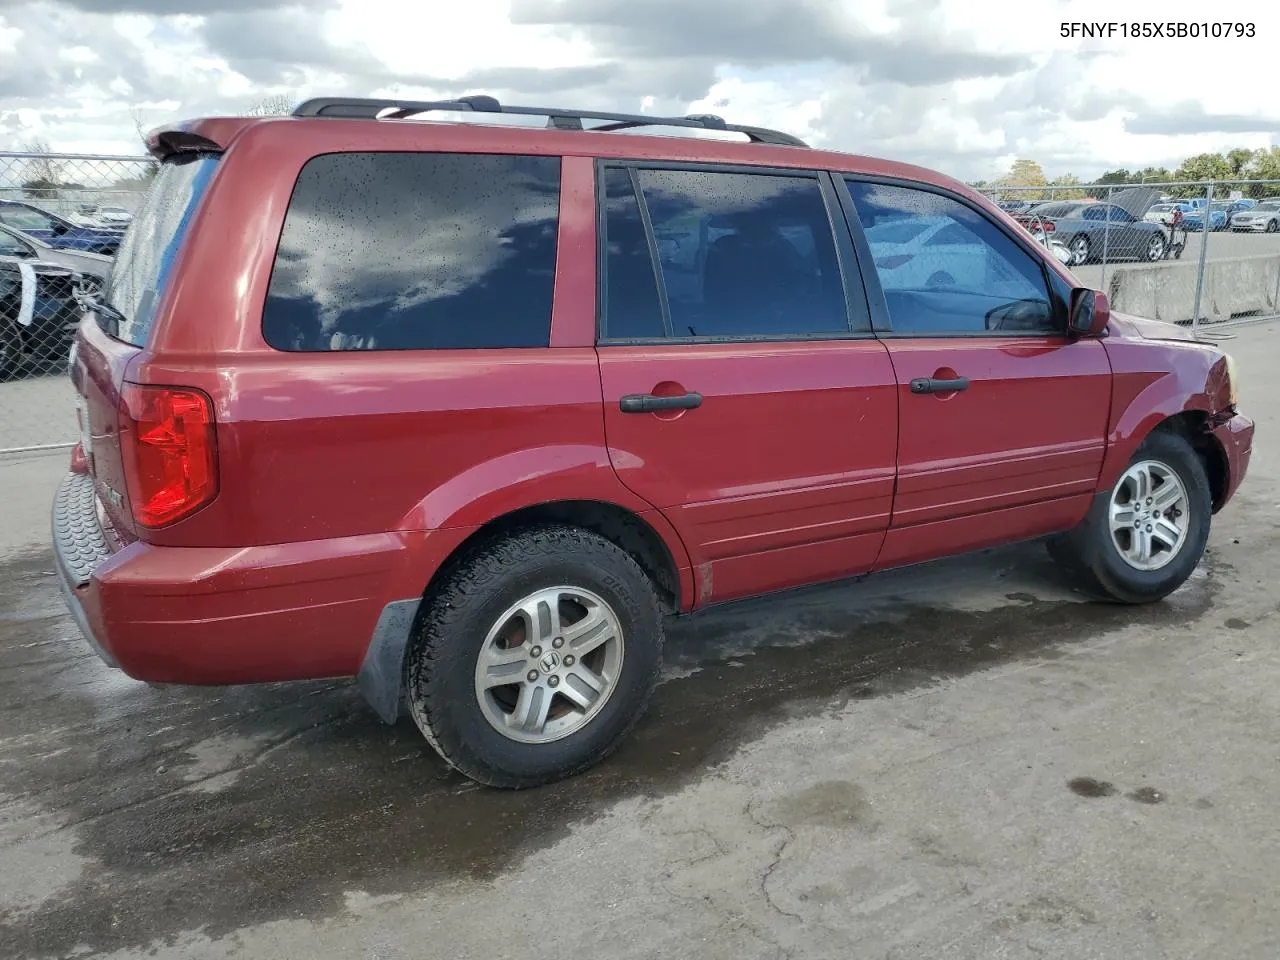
x,y
1236,438
222,615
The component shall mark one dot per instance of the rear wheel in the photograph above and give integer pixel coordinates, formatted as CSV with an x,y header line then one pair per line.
x,y
536,657
1079,248
1273,226
1142,540
1155,247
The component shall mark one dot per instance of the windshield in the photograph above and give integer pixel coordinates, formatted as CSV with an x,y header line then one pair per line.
x,y
151,244
11,246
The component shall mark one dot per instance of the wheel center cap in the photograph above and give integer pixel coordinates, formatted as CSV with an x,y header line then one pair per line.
x,y
550,662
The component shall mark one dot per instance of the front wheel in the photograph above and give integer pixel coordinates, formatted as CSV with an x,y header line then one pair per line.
x,y
1079,248
1155,248
1142,539
1273,226
535,657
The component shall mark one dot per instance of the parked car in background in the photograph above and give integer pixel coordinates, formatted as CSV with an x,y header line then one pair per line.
x,y
116,217
92,267
39,314
58,231
1090,229
1194,221
1262,218
1016,206
1163,213
629,376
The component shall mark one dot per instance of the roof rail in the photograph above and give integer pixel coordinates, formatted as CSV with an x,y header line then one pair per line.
x,y
354,108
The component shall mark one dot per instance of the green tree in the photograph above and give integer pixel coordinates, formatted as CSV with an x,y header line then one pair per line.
x,y
1152,175
1204,166
1023,173
1239,159
1265,165
1066,187
1115,176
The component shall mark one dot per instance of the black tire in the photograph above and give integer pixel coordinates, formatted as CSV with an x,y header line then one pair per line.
x,y
1154,254
1089,552
1273,226
10,349
460,612
1081,252
50,355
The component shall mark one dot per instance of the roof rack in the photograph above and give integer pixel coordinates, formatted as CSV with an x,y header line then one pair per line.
x,y
354,108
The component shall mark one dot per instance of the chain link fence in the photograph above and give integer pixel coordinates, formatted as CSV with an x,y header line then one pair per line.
x,y
61,219
1205,255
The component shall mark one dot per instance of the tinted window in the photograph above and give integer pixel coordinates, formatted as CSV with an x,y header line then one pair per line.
x,y
11,246
974,278
1094,213
399,251
26,218
745,254
632,307
151,243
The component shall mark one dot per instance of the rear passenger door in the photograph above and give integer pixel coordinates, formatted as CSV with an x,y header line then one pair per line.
x,y
744,393
1003,417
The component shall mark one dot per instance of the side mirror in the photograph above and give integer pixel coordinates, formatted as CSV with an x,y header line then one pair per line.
x,y
1090,313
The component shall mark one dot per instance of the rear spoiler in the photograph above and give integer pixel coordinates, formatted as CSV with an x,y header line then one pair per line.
x,y
208,135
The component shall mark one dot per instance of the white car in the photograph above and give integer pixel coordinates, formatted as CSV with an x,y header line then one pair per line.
x,y
1264,218
114,216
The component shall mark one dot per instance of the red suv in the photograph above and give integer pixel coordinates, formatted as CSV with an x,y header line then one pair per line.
x,y
462,410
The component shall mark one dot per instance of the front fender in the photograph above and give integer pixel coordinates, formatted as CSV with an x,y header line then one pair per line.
x,y
1154,380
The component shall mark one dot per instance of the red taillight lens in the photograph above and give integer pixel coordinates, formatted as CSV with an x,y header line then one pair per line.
x,y
1049,226
173,467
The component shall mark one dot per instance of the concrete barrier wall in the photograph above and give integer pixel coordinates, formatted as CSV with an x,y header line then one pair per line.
x,y
1233,288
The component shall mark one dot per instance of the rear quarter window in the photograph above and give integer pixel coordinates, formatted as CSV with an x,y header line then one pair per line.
x,y
410,251
151,243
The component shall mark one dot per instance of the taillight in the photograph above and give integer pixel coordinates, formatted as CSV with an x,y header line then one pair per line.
x,y
171,456
1049,226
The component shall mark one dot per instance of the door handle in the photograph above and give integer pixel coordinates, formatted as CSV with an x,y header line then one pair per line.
x,y
648,403
934,385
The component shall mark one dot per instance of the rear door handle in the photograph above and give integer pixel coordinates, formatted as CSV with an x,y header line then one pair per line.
x,y
934,385
648,403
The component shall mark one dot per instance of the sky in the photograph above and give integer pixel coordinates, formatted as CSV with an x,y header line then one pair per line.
x,y
963,86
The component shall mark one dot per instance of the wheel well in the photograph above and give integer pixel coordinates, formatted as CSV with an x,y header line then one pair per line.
x,y
1193,426
616,524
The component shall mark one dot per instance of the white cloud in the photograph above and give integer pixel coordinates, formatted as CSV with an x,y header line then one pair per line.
x,y
961,85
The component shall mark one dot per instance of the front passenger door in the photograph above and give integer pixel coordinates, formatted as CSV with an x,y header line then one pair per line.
x,y
1002,416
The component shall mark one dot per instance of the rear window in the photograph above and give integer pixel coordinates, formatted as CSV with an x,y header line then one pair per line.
x,y
410,251
150,246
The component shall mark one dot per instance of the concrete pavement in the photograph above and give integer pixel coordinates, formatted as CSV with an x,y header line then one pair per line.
x,y
962,760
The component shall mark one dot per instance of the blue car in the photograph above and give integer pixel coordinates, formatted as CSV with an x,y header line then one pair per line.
x,y
58,232
1195,221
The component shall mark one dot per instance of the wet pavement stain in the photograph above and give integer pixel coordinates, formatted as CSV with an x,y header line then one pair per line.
x,y
324,798
1091,788
1235,623
1147,795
